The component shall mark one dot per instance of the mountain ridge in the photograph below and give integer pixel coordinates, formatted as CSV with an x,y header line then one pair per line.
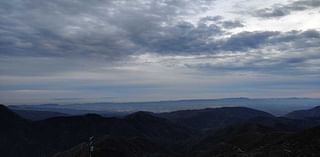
x,y
225,131
303,114
276,106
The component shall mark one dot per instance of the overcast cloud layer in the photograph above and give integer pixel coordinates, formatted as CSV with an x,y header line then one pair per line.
x,y
67,51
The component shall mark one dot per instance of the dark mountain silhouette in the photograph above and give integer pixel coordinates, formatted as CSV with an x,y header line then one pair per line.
x,y
256,140
8,118
63,132
313,113
213,118
157,127
119,147
38,115
48,110
249,139
46,137
233,141
221,132
14,134
285,124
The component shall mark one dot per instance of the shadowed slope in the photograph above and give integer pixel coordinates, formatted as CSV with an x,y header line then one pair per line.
x,y
213,118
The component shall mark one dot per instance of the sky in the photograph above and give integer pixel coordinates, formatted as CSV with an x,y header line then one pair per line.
x,y
73,51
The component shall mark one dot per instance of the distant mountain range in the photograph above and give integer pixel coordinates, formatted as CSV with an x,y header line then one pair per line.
x,y
275,106
38,115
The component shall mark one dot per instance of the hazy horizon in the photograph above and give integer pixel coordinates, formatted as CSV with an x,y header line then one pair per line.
x,y
70,101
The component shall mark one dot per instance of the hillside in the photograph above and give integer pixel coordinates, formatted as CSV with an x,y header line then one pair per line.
x,y
56,134
303,114
38,115
225,132
213,118
256,140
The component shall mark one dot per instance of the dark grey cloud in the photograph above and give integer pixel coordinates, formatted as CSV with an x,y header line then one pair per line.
x,y
291,53
280,10
232,24
188,39
109,29
74,28
247,40
283,66
57,28
117,29
271,12
293,40
221,22
210,18
182,38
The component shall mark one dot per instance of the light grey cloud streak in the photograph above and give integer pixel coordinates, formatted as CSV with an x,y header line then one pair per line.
x,y
280,10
